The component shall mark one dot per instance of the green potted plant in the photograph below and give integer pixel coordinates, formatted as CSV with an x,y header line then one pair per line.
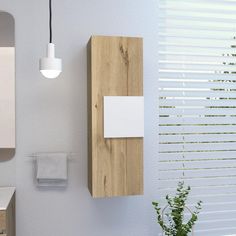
x,y
176,225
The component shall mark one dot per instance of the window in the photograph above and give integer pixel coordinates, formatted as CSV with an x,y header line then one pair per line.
x,y
197,107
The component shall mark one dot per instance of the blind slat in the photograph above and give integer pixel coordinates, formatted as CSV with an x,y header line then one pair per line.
x,y
198,192
196,147
197,111
224,103
219,129
193,14
216,138
188,59
199,182
198,6
198,94
200,33
194,85
196,156
184,50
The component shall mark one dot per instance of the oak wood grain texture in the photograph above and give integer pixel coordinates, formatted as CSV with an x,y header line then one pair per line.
x,y
3,221
115,68
7,219
10,218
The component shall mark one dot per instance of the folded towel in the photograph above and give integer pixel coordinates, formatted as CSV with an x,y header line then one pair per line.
x,y
51,169
51,183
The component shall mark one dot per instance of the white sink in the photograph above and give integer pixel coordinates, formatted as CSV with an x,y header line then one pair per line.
x,y
6,194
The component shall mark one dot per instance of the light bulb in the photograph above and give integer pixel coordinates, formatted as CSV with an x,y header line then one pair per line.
x,y
50,66
50,74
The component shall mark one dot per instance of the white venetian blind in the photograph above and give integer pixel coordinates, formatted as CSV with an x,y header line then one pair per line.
x,y
197,107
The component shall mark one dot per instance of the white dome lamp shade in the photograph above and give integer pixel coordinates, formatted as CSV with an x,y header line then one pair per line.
x,y
50,66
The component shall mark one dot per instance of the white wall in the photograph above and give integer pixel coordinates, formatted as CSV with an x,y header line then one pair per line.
x,y
52,116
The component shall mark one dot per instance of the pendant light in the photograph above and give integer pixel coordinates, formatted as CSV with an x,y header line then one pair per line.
x,y
50,66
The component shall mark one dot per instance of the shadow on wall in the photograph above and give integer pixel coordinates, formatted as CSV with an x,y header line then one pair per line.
x,y
6,154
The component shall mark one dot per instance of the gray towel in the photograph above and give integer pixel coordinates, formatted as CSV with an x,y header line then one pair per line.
x,y
51,169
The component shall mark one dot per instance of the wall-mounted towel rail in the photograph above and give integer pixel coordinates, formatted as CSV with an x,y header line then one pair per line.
x,y
70,155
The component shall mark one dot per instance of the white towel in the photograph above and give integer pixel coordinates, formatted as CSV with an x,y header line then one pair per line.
x,y
51,169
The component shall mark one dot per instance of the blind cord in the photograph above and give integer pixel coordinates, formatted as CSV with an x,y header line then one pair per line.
x,y
50,21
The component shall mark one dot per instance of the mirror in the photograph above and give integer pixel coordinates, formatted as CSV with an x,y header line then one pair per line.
x,y
7,85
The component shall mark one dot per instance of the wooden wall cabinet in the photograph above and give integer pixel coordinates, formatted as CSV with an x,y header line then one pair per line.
x,y
115,68
7,211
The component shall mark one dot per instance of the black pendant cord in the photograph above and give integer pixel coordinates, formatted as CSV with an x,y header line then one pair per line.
x,y
50,21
